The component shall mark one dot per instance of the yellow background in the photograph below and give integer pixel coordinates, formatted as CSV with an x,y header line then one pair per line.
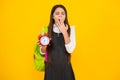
x,y
97,24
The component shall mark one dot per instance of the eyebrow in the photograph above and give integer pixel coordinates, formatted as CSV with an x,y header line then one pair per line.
x,y
60,12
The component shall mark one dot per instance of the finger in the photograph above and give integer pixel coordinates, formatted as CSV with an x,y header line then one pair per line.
x,y
57,25
50,39
59,22
66,26
63,24
44,46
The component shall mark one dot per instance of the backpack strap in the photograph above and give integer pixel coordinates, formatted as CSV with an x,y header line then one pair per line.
x,y
44,30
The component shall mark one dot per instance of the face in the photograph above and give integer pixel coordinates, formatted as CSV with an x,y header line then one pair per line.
x,y
59,15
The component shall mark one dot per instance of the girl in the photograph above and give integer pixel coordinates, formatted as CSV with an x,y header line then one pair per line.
x,y
62,43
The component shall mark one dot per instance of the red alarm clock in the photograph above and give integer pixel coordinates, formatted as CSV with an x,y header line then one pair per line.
x,y
43,40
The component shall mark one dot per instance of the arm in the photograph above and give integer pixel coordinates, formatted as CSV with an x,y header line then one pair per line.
x,y
66,37
70,42
71,45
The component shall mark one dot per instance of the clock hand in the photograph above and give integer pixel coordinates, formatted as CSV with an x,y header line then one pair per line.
x,y
44,40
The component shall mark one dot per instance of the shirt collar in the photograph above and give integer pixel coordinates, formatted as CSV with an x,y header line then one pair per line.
x,y
56,29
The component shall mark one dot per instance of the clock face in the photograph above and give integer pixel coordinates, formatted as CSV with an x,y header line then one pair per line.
x,y
44,40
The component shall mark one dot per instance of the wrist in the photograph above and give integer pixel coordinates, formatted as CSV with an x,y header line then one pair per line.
x,y
43,49
64,32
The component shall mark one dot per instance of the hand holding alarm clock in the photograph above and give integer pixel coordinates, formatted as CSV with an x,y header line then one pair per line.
x,y
43,40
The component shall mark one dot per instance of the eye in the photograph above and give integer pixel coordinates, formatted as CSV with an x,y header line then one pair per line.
x,y
57,13
63,13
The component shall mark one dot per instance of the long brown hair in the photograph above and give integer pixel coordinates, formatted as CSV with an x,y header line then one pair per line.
x,y
50,27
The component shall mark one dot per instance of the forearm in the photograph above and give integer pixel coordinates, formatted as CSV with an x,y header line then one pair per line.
x,y
66,37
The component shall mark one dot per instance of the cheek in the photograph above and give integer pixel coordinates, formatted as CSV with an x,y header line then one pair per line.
x,y
63,19
55,16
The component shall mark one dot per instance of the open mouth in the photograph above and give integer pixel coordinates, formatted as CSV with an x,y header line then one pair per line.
x,y
58,19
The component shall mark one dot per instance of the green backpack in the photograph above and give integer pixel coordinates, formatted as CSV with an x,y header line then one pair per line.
x,y
39,60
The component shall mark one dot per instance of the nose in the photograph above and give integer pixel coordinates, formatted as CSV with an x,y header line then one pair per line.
x,y
60,16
